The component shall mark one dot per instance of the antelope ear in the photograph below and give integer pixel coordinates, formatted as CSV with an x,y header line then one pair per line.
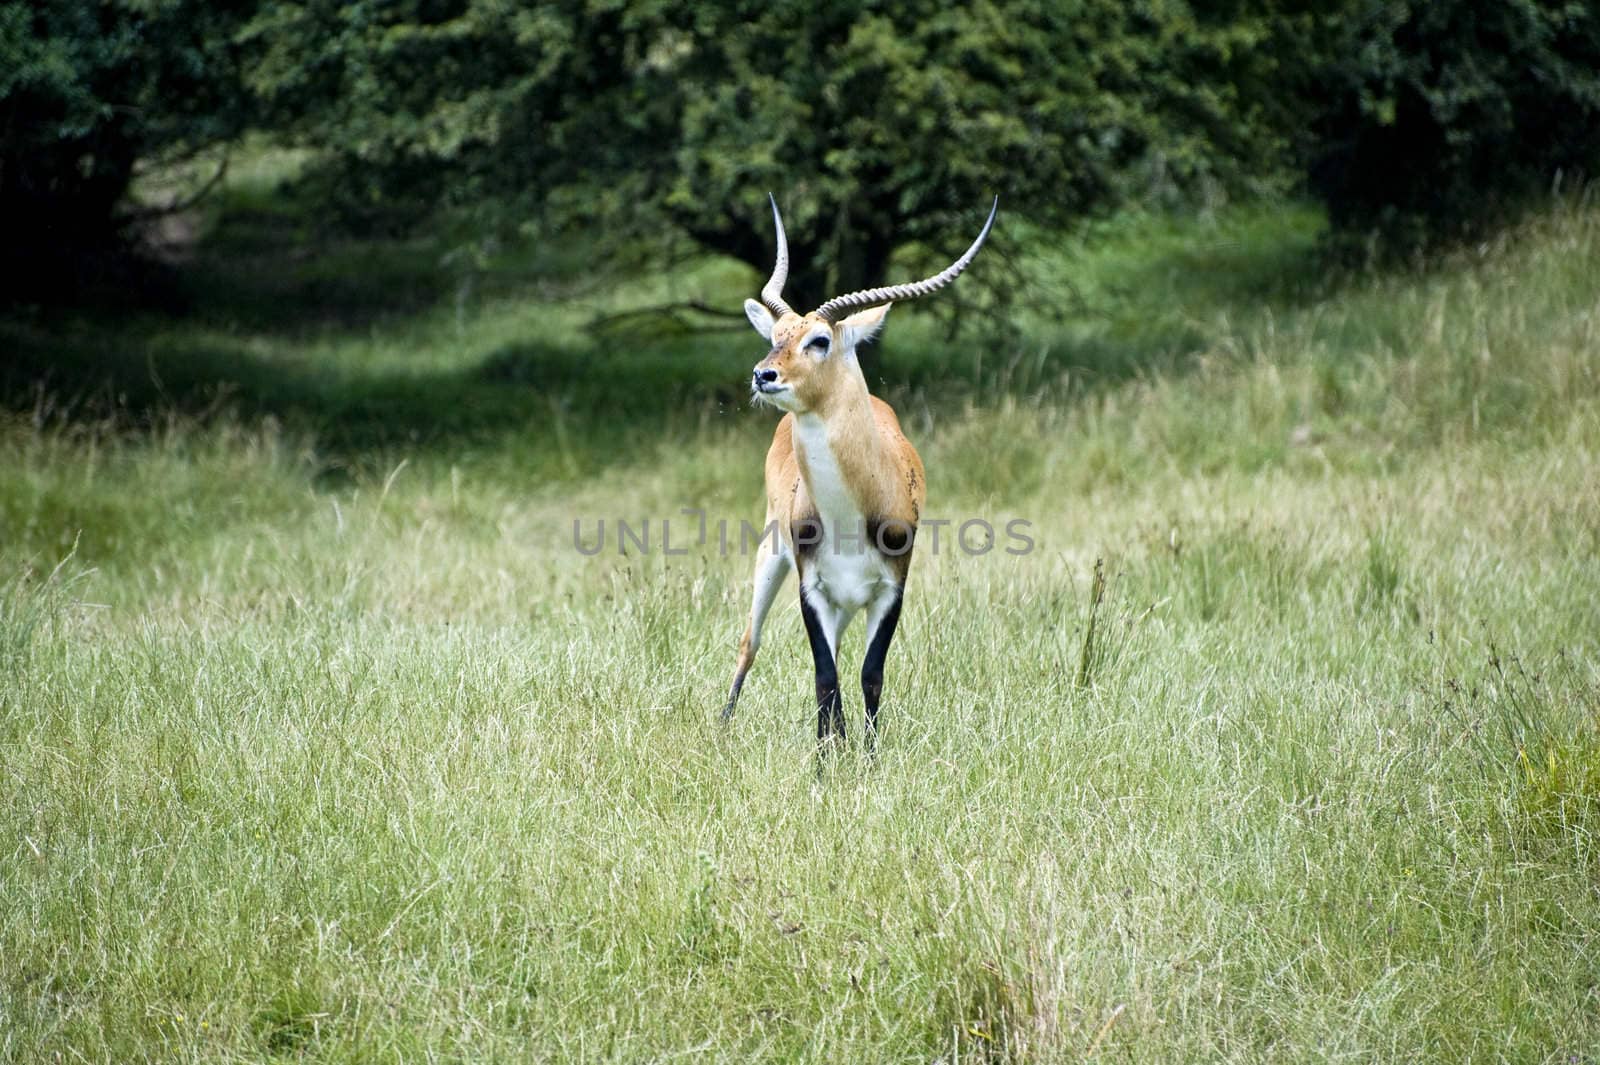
x,y
863,325
759,317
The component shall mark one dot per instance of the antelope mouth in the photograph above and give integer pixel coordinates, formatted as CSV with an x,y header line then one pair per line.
x,y
772,394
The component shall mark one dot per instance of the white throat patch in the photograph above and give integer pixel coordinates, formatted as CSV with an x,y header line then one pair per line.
x,y
844,570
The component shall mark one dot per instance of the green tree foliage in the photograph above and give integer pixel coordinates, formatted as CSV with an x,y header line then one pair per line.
x,y
878,124
884,127
1437,117
88,90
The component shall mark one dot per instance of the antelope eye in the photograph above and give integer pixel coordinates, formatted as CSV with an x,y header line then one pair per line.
x,y
817,345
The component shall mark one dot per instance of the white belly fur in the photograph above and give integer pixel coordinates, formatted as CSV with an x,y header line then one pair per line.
x,y
850,579
845,569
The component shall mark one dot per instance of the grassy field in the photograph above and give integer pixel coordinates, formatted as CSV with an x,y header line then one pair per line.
x,y
319,740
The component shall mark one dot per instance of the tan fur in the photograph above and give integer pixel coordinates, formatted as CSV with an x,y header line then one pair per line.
x,y
845,488
882,470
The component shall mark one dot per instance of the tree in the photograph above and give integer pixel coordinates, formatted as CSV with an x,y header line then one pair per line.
x,y
1439,118
877,125
88,90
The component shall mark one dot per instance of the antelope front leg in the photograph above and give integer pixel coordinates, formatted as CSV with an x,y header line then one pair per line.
x,y
881,623
821,631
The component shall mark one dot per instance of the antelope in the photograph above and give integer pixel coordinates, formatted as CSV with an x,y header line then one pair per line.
x,y
845,488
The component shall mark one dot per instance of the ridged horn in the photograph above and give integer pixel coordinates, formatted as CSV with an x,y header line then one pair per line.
x,y
772,291
840,306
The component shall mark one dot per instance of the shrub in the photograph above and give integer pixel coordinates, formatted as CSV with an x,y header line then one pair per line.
x,y
1442,117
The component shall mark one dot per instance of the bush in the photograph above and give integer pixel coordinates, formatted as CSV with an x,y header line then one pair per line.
x,y
1443,117
877,125
88,90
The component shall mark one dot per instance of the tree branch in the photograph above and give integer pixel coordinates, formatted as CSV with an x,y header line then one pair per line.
x,y
177,205
670,311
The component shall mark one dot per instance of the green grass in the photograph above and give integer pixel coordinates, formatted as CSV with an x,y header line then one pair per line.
x,y
319,741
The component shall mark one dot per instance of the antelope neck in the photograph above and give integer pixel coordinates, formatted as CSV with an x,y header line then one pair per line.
x,y
840,458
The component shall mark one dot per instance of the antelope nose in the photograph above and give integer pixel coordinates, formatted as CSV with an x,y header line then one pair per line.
x,y
765,377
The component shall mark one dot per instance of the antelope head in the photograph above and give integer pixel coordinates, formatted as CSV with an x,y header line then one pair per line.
x,y
813,355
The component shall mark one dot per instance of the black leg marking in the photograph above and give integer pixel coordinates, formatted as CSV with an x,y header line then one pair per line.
x,y
872,666
733,698
830,705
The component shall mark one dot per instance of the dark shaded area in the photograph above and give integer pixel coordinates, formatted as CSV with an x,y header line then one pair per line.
x,y
260,279
132,378
112,277
265,265
257,277
1442,119
89,92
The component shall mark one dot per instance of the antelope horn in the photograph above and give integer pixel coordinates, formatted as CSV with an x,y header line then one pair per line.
x,y
839,306
772,291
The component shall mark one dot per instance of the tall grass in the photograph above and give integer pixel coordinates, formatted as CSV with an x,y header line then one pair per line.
x,y
329,746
